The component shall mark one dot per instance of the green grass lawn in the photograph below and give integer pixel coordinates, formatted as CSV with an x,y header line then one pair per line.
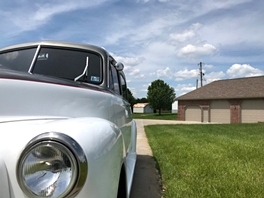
x,y
209,160
156,116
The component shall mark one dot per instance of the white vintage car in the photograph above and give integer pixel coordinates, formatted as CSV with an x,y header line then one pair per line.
x,y
65,123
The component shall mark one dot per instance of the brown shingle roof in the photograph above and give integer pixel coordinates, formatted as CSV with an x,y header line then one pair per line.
x,y
252,87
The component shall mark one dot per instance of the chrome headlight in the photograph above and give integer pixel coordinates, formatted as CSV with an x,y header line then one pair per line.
x,y
52,165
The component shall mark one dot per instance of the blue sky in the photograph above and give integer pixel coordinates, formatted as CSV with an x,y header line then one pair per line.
x,y
155,39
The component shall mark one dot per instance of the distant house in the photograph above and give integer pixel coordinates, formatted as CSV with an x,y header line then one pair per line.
x,y
225,101
174,107
142,108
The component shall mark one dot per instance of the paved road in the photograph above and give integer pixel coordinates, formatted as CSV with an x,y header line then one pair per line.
x,y
146,183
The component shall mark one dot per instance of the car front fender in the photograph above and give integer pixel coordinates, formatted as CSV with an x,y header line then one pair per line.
x,y
100,140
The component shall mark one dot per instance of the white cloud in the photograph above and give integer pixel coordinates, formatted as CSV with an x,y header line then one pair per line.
x,y
130,66
146,1
213,76
187,34
165,73
134,72
142,30
211,5
163,49
140,76
157,53
188,88
182,36
208,66
192,51
234,26
114,37
145,88
27,17
186,74
129,61
133,90
243,70
139,91
45,12
181,89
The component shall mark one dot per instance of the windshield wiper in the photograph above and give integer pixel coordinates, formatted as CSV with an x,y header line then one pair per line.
x,y
85,71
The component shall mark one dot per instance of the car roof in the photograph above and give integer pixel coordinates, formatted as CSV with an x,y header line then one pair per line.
x,y
57,44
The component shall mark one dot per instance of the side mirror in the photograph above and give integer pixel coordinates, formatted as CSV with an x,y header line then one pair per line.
x,y
119,66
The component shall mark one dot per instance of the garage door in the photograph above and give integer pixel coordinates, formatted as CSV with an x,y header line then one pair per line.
x,y
252,111
220,111
193,113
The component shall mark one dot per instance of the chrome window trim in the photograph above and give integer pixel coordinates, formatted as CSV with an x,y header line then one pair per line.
x,y
34,59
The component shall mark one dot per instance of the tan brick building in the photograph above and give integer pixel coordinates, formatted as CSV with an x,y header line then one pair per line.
x,y
238,100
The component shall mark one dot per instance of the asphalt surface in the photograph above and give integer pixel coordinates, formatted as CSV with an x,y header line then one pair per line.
x,y
147,182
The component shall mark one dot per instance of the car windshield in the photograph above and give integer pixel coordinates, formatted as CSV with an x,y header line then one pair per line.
x,y
84,66
19,60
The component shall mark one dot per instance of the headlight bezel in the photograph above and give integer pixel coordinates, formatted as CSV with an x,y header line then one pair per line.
x,y
65,141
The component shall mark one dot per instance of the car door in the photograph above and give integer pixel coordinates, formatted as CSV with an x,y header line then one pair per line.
x,y
123,114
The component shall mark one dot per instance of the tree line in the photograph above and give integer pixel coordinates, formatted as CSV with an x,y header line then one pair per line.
x,y
160,96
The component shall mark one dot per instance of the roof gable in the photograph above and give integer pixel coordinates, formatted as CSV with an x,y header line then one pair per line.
x,y
252,87
140,105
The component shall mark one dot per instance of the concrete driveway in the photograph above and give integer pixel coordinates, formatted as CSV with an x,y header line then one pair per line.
x,y
147,183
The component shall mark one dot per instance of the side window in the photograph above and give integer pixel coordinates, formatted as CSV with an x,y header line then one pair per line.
x,y
111,79
114,82
123,86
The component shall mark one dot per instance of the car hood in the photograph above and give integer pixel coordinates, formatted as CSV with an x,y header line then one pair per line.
x,y
37,119
23,97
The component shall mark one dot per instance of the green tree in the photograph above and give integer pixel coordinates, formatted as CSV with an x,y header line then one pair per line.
x,y
142,100
131,99
160,95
